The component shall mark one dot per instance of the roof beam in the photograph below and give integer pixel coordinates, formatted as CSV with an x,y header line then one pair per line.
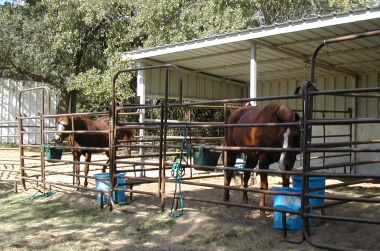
x,y
303,58
211,55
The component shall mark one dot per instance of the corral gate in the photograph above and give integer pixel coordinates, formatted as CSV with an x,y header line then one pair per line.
x,y
310,93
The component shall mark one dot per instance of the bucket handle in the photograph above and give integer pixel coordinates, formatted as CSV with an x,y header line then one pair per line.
x,y
45,147
201,148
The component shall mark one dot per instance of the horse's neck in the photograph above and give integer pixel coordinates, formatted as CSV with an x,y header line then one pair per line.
x,y
81,123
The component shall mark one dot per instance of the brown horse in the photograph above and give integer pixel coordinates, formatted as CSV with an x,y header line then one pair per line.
x,y
269,136
99,140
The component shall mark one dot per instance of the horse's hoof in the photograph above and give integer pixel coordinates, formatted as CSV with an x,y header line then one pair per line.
x,y
264,215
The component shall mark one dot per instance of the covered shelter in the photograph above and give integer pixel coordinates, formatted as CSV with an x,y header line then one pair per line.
x,y
268,60
274,60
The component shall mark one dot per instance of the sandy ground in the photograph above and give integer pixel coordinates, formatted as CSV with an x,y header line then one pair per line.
x,y
73,220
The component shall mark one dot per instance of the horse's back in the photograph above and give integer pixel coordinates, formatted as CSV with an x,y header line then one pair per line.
x,y
254,136
91,139
246,114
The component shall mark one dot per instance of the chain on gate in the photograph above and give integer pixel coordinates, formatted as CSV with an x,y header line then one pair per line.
x,y
178,171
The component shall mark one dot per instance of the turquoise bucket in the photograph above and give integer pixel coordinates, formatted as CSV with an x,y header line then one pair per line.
x,y
313,182
104,185
293,221
205,157
52,153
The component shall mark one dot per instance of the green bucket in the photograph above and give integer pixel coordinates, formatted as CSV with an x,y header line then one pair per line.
x,y
52,153
205,157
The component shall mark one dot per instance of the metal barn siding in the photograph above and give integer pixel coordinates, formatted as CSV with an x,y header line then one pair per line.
x,y
332,104
31,105
8,110
280,88
368,108
196,86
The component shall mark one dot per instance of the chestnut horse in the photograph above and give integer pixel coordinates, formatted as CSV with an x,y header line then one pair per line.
x,y
99,140
267,136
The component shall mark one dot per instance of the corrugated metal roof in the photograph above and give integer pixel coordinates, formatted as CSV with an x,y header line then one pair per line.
x,y
283,50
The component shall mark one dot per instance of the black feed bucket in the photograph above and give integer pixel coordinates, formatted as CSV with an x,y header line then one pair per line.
x,y
52,153
205,157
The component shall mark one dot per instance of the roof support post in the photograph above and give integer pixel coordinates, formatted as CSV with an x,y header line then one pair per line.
x,y
141,94
253,74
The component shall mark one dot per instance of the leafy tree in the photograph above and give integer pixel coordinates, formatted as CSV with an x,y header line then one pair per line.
x,y
64,42
169,21
24,49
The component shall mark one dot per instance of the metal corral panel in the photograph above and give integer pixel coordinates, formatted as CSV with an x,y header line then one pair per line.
x,y
31,105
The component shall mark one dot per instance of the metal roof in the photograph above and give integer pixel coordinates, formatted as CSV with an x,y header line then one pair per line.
x,y
283,50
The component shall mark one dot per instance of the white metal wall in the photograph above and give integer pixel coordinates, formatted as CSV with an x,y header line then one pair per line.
x,y
368,108
362,108
196,86
31,105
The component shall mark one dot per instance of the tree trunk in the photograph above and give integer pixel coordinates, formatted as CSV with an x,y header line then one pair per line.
x,y
64,102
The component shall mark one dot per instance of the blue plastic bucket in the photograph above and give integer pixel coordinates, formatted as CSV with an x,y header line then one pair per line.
x,y
313,182
239,164
103,185
293,221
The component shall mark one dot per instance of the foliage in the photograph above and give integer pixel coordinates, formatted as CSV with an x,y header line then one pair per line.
x,y
169,21
48,41
24,50
93,35
96,93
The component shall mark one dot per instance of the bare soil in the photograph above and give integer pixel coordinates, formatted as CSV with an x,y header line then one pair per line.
x,y
73,220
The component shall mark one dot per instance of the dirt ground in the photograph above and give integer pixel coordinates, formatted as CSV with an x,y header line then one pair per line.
x,y
73,220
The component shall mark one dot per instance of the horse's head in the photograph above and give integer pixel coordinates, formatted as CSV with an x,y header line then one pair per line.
x,y
291,137
63,124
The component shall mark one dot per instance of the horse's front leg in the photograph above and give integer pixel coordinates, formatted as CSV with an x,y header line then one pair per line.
x,y
263,164
108,161
86,167
247,175
285,180
263,186
227,181
228,174
76,168
250,163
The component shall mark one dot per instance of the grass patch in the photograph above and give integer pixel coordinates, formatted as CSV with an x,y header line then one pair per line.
x,y
235,232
